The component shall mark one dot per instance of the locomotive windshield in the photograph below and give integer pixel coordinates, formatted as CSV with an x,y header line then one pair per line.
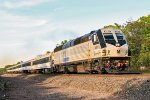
x,y
120,38
109,38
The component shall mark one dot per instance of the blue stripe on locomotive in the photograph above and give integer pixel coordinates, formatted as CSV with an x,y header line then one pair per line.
x,y
66,59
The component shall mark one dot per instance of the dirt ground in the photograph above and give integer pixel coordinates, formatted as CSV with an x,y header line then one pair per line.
x,y
77,87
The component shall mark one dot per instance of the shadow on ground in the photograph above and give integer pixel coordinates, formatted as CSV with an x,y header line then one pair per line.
x,y
131,91
31,87
22,88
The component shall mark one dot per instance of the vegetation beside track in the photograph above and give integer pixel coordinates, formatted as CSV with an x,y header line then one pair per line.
x,y
2,84
2,70
138,70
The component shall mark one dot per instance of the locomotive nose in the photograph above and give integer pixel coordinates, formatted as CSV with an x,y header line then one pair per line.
x,y
117,52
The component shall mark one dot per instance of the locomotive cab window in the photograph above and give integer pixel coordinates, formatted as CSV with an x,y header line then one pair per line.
x,y
120,38
109,38
95,39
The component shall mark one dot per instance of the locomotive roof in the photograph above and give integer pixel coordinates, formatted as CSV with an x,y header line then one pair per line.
x,y
78,40
110,29
73,42
87,35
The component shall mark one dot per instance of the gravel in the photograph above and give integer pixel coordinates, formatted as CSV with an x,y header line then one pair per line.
x,y
78,87
2,88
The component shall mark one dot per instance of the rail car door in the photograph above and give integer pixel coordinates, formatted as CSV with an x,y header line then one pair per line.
x,y
96,52
96,48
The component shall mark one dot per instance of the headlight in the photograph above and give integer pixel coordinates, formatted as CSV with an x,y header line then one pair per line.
x,y
117,45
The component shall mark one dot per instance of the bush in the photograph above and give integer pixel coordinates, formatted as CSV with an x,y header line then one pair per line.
x,y
2,70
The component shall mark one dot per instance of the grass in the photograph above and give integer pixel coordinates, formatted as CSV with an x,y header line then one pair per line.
x,y
2,70
138,70
2,81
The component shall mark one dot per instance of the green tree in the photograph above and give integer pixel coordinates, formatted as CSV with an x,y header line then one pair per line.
x,y
63,42
7,66
2,70
139,40
48,52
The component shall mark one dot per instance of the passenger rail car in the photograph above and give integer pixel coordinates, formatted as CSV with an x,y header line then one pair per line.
x,y
101,51
42,63
15,68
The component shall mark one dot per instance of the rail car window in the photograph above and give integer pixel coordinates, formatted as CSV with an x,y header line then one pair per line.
x,y
41,61
44,60
26,64
19,66
120,39
109,38
35,62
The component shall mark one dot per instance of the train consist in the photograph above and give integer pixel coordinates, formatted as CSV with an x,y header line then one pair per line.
x,y
102,51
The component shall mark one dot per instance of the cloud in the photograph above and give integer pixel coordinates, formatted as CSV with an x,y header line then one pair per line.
x,y
21,3
24,37
16,33
11,20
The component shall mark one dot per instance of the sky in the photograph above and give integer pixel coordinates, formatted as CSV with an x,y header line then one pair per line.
x,y
32,27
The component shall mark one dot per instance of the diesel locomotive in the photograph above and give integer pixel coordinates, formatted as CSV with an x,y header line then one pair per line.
x,y
101,51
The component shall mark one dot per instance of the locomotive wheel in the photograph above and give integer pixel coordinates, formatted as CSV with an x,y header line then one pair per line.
x,y
66,70
103,71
